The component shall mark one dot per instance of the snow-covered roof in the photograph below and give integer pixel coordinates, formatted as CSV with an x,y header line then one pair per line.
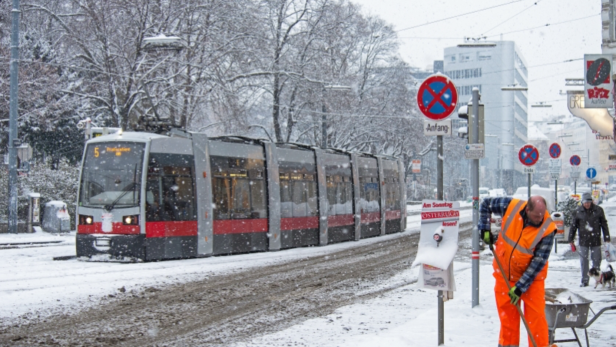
x,y
535,134
127,136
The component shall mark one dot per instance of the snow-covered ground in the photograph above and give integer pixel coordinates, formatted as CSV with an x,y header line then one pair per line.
x,y
31,283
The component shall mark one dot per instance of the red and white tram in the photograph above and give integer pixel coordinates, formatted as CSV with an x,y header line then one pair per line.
x,y
155,197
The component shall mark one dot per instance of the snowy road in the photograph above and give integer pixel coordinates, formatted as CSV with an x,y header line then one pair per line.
x,y
351,294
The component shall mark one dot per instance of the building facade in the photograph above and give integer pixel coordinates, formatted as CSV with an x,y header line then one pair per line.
x,y
489,66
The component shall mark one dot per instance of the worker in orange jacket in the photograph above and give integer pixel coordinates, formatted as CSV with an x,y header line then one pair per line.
x,y
523,248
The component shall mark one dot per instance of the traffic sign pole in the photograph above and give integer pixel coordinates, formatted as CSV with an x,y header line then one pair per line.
x,y
437,98
555,151
473,120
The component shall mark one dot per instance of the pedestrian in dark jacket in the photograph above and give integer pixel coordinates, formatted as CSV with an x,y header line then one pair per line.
x,y
589,219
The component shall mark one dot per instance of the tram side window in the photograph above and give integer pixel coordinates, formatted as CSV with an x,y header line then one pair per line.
x,y
392,190
239,188
170,193
298,195
339,195
369,194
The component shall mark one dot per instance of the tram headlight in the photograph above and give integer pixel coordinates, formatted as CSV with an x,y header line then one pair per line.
x,y
130,220
85,220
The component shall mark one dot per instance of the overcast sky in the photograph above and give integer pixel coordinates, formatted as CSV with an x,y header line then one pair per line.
x,y
570,39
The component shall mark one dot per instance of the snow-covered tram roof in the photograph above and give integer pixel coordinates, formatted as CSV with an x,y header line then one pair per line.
x,y
127,136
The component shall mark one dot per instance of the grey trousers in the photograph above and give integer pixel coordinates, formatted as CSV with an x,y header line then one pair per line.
x,y
595,256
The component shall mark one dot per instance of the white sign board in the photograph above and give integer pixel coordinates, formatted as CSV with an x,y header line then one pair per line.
x,y
555,166
442,219
435,128
474,151
598,81
574,175
416,166
554,176
529,170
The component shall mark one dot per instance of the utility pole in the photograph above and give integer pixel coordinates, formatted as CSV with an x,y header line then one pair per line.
x,y
13,140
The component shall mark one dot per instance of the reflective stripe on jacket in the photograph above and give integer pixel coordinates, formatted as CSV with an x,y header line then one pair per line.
x,y
516,244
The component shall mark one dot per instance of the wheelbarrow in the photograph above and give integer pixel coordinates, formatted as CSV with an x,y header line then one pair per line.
x,y
565,309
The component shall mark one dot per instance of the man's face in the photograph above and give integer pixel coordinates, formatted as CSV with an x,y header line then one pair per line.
x,y
536,215
587,204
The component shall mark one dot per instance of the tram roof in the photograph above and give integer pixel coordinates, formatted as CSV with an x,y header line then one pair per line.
x,y
127,136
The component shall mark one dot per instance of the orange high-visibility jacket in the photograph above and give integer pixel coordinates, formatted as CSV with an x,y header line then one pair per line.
x,y
515,245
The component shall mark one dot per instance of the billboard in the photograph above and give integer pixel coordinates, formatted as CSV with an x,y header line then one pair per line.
x,y
598,81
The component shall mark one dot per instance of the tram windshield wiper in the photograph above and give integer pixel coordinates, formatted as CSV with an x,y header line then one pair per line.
x,y
129,188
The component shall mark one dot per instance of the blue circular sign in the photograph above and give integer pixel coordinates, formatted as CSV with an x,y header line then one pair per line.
x,y
528,155
555,150
591,173
437,97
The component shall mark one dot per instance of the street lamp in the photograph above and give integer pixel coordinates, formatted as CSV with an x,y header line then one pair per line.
x,y
515,87
541,104
324,111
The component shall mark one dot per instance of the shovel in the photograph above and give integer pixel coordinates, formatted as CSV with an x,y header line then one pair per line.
x,y
532,339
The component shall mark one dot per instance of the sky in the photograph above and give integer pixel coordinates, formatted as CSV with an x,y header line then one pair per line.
x,y
32,283
423,36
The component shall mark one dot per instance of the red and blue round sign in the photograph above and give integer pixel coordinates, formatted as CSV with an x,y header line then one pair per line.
x,y
575,160
555,150
528,155
437,97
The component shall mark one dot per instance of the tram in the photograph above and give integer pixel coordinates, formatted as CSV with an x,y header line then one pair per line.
x,y
153,197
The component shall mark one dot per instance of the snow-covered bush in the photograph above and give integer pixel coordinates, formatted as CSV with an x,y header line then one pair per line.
x,y
60,184
568,207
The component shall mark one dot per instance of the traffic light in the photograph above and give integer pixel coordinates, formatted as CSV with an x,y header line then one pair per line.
x,y
467,131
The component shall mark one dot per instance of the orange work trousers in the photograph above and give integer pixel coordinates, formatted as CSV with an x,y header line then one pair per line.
x,y
534,312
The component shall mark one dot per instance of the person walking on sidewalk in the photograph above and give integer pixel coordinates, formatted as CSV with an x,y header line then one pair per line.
x,y
523,248
589,219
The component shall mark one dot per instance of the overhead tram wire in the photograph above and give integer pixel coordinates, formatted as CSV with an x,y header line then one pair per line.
x,y
459,15
545,25
510,18
509,32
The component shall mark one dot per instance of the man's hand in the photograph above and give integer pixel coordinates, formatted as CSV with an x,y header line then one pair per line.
x,y
514,295
606,239
573,249
487,237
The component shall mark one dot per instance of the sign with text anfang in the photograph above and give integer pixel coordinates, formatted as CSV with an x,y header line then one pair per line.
x,y
436,128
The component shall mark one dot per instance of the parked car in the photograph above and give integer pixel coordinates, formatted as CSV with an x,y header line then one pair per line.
x,y
495,193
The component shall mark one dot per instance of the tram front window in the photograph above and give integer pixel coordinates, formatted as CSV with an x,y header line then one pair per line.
x,y
111,175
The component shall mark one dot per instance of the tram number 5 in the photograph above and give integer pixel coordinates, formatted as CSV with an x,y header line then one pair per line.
x,y
96,152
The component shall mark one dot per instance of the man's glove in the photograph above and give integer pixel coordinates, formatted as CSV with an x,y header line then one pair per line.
x,y
487,237
514,295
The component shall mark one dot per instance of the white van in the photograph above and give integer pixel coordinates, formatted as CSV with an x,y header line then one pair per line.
x,y
547,193
483,193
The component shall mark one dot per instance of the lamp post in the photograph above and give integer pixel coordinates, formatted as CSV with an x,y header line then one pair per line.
x,y
325,87
515,88
13,140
